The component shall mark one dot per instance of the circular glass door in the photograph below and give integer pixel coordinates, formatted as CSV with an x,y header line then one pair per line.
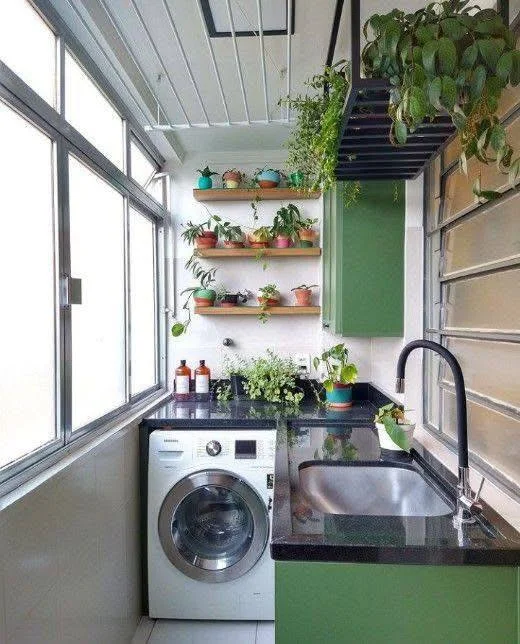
x,y
213,526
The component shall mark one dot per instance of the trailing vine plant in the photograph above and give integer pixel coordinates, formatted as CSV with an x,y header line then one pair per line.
x,y
314,140
448,57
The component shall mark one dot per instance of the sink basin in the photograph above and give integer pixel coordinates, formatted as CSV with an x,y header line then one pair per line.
x,y
370,490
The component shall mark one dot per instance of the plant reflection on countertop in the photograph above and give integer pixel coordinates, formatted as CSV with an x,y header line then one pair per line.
x,y
337,447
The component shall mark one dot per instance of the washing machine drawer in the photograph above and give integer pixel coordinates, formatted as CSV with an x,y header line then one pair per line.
x,y
213,526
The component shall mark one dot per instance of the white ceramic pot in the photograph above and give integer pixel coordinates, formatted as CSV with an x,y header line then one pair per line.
x,y
387,443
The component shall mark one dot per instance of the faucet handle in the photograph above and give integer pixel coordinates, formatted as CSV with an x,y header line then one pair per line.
x,y
477,495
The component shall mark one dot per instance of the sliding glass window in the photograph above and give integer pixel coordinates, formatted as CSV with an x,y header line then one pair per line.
x,y
81,248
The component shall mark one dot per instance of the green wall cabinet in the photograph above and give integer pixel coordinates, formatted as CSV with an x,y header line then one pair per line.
x,y
363,260
335,603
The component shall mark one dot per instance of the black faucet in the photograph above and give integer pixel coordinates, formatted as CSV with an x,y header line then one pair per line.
x,y
466,501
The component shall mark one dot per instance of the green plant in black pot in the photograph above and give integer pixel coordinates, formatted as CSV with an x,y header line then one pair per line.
x,y
448,57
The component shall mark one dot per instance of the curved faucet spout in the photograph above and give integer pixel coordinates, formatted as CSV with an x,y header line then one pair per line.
x,y
460,391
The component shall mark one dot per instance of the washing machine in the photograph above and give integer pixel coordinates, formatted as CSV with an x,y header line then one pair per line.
x,y
208,524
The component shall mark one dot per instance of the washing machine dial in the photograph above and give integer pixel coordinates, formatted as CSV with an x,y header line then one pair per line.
x,y
213,448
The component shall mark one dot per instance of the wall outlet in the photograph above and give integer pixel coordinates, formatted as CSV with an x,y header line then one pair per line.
x,y
303,361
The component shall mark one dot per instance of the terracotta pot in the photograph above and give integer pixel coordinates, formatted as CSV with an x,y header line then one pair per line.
x,y
303,296
231,179
255,244
264,183
281,241
204,297
270,301
207,240
233,244
307,237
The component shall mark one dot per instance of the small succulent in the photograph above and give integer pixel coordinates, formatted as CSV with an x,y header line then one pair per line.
x,y
206,172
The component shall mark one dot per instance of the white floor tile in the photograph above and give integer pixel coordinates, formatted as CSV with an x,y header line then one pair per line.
x,y
265,633
193,632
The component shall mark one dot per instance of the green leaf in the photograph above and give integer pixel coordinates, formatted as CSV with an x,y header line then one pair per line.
x,y
515,72
396,434
478,78
504,65
316,363
434,92
391,37
418,107
401,132
428,56
453,28
329,385
514,172
447,55
498,137
469,56
178,329
448,92
458,117
491,50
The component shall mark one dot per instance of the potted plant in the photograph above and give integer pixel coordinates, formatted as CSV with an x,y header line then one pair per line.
x,y
267,296
303,294
447,57
306,233
272,378
231,235
296,179
268,178
205,182
341,375
231,179
202,294
228,299
394,430
260,238
199,234
235,367
285,226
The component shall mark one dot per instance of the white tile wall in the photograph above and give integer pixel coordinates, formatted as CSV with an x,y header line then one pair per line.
x,y
69,552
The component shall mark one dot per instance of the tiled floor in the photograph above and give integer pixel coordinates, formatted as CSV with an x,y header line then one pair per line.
x,y
166,631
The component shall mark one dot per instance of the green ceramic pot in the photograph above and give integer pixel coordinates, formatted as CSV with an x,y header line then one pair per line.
x,y
296,179
340,396
204,297
205,183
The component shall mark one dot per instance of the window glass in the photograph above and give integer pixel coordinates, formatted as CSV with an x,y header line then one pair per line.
x,y
142,167
27,289
98,324
28,47
87,109
143,311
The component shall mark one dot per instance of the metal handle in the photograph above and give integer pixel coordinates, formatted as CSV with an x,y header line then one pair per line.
x,y
477,495
71,291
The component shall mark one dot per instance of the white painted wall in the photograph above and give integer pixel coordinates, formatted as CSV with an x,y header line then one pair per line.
x,y
285,335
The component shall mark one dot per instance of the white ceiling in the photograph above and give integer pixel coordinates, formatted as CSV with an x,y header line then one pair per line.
x,y
148,61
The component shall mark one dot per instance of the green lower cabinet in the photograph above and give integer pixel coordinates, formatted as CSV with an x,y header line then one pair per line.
x,y
334,603
363,260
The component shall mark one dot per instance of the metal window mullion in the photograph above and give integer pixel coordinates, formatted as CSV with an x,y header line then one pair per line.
x,y
158,299
65,270
127,286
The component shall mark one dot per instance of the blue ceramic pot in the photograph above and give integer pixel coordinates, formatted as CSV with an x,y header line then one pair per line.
x,y
268,178
205,183
340,396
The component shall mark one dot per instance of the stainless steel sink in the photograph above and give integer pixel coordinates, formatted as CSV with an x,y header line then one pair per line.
x,y
370,490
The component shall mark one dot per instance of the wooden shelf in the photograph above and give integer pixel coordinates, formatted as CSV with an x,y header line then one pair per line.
x,y
258,252
256,310
265,194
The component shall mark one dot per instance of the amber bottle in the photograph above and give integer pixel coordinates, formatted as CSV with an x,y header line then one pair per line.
x,y
182,381
202,378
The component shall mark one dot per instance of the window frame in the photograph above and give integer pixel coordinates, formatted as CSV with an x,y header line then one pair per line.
x,y
16,94
436,175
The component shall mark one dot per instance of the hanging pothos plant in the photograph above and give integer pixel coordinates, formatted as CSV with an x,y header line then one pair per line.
x,y
314,140
448,57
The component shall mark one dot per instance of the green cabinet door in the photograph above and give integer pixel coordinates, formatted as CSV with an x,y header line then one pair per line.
x,y
363,247
335,603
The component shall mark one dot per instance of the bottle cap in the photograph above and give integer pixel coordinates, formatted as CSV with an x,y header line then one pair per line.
x,y
202,362
183,363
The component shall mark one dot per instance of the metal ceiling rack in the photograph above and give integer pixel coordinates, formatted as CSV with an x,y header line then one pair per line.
x,y
365,150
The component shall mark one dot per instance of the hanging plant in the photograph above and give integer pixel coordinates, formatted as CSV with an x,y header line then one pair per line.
x,y
314,140
448,57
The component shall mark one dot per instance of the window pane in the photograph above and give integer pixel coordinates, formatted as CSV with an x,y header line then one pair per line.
x,y
488,237
493,436
98,324
143,312
28,47
87,109
491,369
142,168
27,289
484,303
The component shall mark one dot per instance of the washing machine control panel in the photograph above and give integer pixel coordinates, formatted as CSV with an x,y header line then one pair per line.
x,y
259,449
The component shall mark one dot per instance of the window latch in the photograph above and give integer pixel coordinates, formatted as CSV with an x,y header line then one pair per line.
x,y
70,291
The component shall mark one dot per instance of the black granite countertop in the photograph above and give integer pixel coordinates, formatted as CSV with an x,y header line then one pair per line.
x,y
310,434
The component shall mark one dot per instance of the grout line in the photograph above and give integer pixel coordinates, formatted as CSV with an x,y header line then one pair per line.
x,y
256,633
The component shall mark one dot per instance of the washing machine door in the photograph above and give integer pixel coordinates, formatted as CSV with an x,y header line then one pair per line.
x,y
213,526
